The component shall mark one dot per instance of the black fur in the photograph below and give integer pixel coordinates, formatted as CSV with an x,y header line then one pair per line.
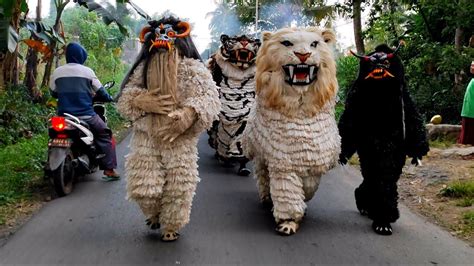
x,y
381,123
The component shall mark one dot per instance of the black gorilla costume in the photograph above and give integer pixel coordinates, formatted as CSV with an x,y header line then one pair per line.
x,y
380,123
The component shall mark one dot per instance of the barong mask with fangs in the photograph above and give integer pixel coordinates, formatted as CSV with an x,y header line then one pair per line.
x,y
379,63
164,35
240,51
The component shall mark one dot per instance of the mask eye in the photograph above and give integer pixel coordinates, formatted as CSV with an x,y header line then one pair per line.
x,y
314,44
171,34
386,63
287,43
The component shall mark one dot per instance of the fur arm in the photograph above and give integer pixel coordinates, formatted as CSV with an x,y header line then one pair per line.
x,y
132,90
347,126
201,93
416,142
216,71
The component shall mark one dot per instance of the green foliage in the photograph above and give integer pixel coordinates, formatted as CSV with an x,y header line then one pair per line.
x,y
103,43
430,71
347,69
435,70
459,189
21,168
19,117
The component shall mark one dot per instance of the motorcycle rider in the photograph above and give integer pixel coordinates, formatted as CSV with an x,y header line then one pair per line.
x,y
75,86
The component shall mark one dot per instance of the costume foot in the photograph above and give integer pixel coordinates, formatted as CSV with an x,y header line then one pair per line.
x,y
382,228
287,228
361,202
153,223
243,171
363,212
169,236
267,203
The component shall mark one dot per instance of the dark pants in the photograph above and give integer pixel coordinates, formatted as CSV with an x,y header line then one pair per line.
x,y
467,131
103,141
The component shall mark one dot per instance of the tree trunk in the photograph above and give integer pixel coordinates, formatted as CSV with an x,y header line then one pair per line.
x,y
356,18
458,39
32,65
9,61
53,46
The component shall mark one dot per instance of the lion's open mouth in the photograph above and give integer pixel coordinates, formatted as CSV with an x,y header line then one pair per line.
x,y
301,74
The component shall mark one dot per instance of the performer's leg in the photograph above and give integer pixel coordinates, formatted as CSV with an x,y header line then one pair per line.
x,y
383,198
145,177
178,192
310,185
286,190
362,197
263,183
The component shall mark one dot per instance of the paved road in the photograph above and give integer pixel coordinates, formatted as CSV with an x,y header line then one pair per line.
x,y
96,225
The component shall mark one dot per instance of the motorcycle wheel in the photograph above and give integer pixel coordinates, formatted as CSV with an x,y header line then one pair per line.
x,y
63,176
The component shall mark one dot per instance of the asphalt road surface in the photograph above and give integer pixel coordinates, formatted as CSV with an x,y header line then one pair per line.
x,y
96,225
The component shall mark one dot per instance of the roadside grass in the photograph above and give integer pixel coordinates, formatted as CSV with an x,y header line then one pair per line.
x,y
468,219
459,189
442,143
21,172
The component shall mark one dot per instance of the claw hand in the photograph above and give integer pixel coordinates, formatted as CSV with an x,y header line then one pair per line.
x,y
182,119
152,102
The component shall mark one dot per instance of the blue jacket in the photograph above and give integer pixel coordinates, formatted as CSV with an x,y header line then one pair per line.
x,y
75,85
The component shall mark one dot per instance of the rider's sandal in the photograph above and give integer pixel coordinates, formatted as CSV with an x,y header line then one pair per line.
x,y
382,228
287,227
112,176
169,236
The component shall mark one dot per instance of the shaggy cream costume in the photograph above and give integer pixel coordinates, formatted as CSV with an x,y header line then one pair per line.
x,y
162,175
292,134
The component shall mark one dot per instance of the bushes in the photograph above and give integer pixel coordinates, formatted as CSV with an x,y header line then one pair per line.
x,y
21,170
19,117
347,69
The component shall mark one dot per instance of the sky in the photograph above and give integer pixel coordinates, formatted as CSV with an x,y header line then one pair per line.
x,y
196,11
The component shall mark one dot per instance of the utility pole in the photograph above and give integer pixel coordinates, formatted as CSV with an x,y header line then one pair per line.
x,y
256,18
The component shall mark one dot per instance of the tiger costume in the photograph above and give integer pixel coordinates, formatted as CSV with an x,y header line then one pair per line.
x,y
233,70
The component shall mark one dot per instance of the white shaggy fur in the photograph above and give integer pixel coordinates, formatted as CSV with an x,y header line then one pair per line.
x,y
290,137
162,176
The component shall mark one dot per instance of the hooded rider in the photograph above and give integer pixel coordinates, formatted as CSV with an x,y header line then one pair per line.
x,y
75,86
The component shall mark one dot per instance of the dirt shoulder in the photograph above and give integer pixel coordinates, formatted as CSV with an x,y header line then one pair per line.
x,y
425,189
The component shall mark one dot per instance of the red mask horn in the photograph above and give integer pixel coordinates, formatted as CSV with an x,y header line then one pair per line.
x,y
144,31
363,57
187,29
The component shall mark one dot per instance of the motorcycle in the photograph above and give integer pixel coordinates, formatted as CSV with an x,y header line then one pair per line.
x,y
71,149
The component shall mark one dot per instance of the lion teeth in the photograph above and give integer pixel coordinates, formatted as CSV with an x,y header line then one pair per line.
x,y
307,79
291,69
311,71
294,79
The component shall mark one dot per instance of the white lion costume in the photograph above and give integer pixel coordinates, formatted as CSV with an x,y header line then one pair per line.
x,y
171,98
292,134
233,70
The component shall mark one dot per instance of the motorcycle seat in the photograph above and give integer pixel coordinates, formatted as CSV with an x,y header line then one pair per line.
x,y
83,123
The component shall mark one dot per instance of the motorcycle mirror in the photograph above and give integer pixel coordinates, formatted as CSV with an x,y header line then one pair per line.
x,y
109,84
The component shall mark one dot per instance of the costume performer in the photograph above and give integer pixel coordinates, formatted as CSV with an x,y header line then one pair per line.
x,y
380,123
292,133
233,70
171,98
